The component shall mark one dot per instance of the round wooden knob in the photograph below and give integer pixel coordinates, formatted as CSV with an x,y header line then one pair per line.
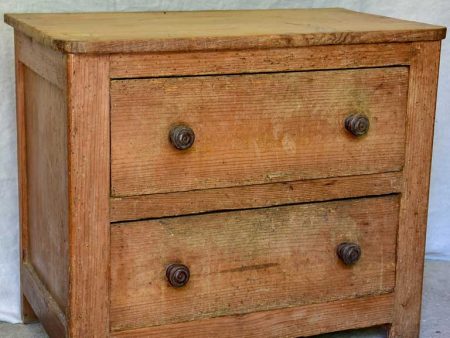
x,y
182,137
177,275
357,124
349,253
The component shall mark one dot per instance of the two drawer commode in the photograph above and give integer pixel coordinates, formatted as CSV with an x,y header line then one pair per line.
x,y
223,173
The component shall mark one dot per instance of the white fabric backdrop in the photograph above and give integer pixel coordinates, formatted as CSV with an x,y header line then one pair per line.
x,y
432,11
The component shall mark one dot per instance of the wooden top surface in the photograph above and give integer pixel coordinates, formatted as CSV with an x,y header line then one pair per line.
x,y
205,30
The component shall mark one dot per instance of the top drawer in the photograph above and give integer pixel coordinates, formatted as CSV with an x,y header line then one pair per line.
x,y
255,128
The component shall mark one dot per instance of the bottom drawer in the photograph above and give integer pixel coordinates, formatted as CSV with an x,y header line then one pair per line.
x,y
251,260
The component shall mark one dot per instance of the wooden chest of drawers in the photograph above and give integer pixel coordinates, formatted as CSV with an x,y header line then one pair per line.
x,y
223,174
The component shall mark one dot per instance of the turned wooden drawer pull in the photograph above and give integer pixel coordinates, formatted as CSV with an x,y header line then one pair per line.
x,y
349,253
357,124
177,275
182,137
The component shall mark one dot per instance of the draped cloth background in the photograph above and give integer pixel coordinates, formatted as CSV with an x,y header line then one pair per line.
x,y
431,11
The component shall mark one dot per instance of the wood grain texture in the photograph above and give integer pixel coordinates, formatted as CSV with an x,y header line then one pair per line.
x,y
251,260
47,188
49,64
45,306
27,312
253,196
291,322
414,204
89,195
253,129
269,136
214,30
260,60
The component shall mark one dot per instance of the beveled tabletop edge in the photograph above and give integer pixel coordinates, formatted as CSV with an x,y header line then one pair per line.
x,y
395,31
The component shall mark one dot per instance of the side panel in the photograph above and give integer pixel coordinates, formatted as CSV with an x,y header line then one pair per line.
x,y
45,110
63,140
43,175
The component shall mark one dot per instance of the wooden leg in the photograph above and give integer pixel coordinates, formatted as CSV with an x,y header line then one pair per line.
x,y
28,315
423,76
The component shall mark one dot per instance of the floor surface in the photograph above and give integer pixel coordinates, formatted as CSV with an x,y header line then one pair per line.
x,y
435,311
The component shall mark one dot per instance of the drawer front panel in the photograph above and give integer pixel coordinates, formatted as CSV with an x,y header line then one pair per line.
x,y
253,129
251,260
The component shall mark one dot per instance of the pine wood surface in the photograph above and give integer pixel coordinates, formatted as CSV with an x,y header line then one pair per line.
x,y
414,205
203,30
260,60
45,306
45,125
252,86
47,63
251,260
305,320
253,196
253,129
89,190
28,314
